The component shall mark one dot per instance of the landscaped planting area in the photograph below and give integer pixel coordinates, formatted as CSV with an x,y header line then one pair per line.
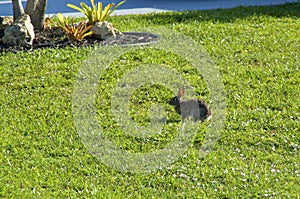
x,y
257,156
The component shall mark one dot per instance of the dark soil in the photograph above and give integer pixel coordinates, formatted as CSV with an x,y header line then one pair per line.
x,y
56,38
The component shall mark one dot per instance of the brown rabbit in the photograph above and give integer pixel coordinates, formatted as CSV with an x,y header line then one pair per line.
x,y
197,109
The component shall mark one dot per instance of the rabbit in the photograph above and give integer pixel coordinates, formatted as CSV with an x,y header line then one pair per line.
x,y
195,108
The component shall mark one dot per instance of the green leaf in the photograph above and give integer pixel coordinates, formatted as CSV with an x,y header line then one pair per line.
x,y
85,7
62,19
99,11
116,7
93,4
88,11
86,34
106,11
75,8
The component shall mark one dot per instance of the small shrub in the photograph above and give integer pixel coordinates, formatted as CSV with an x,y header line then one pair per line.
x,y
74,32
95,14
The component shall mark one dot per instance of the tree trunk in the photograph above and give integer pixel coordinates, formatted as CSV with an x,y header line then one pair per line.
x,y
36,10
18,9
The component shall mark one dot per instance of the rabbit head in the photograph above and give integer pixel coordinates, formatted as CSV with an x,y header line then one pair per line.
x,y
175,101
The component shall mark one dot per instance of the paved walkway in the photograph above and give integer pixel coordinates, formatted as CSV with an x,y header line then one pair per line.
x,y
147,6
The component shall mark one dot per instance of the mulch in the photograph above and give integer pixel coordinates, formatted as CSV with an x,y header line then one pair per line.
x,y
56,38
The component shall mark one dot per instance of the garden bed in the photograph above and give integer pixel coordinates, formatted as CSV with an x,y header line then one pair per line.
x,y
56,38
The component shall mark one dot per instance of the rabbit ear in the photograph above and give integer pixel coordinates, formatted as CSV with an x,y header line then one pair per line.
x,y
181,92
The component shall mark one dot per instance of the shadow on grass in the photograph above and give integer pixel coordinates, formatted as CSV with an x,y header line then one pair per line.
x,y
227,15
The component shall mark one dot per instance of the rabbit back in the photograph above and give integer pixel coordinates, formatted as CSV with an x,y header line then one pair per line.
x,y
197,109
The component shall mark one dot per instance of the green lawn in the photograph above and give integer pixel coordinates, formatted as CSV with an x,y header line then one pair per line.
x,y
257,156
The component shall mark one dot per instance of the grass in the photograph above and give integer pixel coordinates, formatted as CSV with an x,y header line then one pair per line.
x,y
257,51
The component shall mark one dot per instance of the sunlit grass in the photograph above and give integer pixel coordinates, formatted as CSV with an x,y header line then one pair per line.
x,y
257,51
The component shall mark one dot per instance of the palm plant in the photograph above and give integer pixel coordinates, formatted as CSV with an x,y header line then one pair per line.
x,y
34,8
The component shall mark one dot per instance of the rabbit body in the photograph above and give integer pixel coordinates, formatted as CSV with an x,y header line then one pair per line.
x,y
195,108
